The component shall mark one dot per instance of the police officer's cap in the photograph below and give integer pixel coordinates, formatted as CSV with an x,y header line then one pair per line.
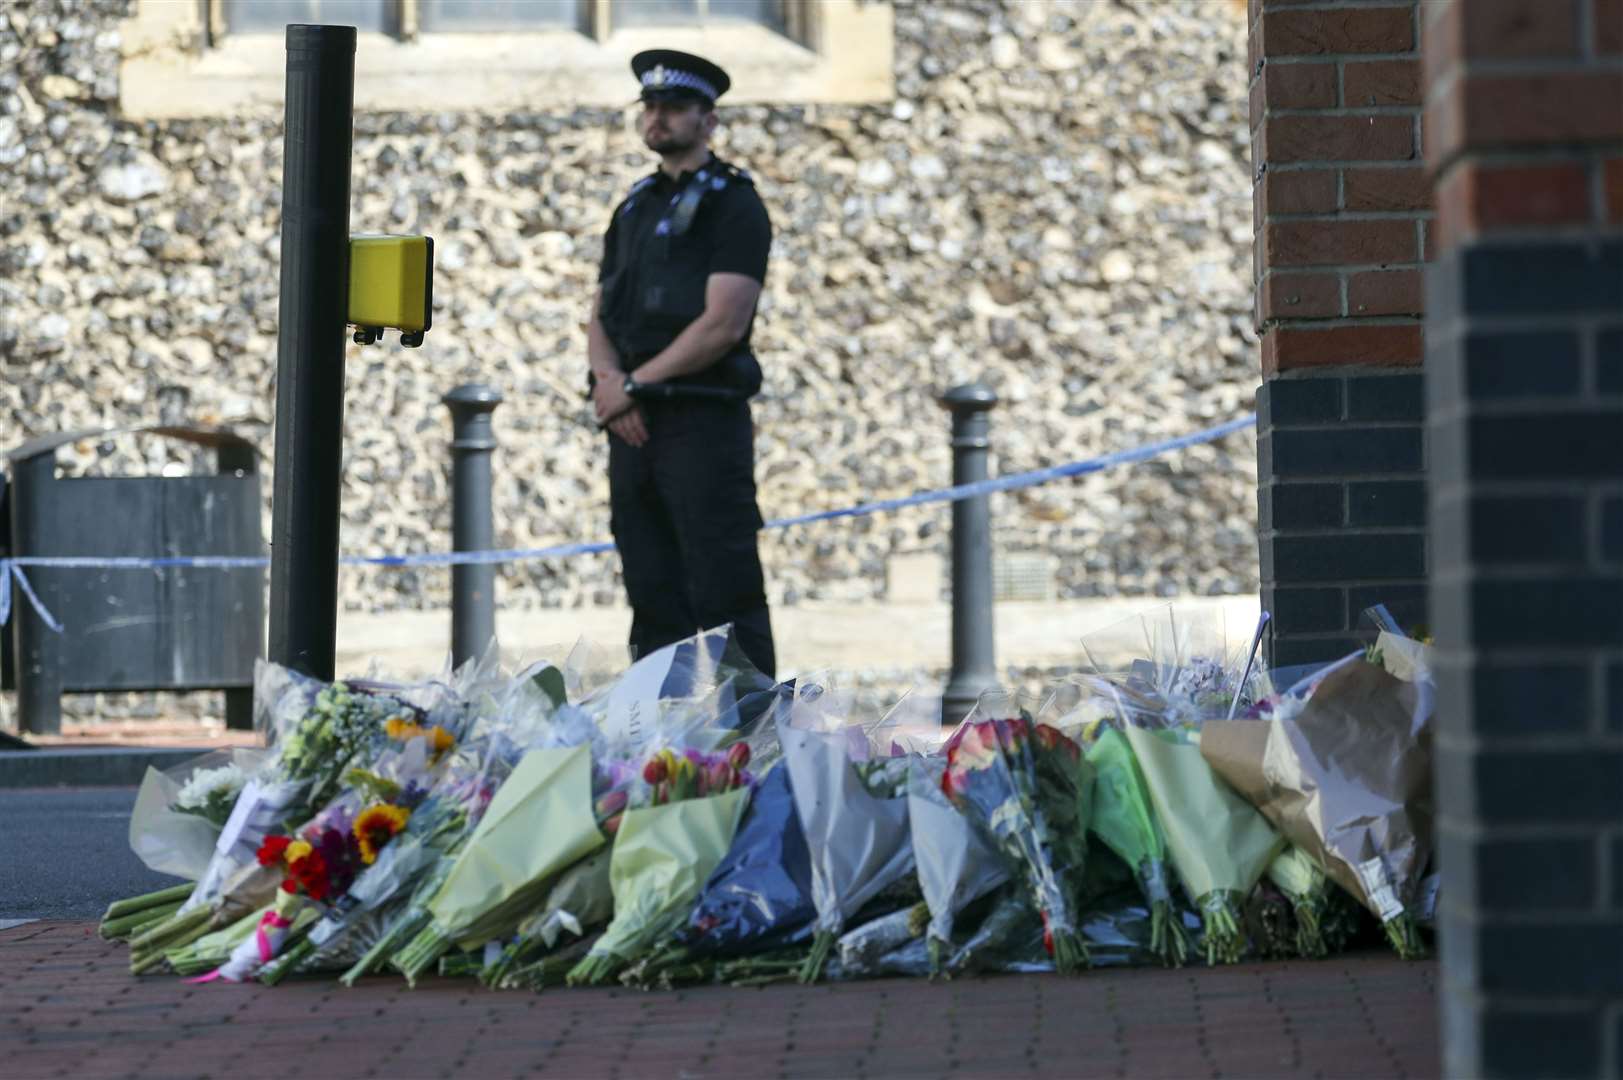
x,y
669,75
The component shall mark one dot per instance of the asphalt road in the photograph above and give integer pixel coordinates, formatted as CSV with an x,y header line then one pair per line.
x,y
65,853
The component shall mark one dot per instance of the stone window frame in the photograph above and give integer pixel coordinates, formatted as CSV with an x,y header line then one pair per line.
x,y
833,52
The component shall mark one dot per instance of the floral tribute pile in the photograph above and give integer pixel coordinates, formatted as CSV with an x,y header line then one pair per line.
x,y
690,822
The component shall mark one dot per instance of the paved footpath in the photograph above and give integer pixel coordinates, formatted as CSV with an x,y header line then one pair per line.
x,y
69,1008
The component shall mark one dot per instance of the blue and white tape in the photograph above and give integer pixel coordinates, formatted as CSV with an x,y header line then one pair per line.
x,y
14,567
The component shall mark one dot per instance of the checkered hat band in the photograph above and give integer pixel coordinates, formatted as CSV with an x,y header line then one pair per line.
x,y
683,80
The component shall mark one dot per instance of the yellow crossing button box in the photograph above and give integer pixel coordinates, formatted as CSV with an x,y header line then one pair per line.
x,y
391,285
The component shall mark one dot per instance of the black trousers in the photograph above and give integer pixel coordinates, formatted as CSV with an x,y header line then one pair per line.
x,y
684,517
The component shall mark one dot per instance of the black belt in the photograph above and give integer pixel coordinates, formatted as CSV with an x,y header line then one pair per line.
x,y
668,391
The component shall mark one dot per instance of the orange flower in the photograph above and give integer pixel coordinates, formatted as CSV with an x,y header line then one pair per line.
x,y
376,826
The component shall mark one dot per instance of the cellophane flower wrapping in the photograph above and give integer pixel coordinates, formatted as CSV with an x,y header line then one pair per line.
x,y
510,719
573,794
1176,666
957,865
493,719
1123,817
398,816
760,895
661,859
1026,786
1220,844
852,805
179,811
539,822
318,732
580,902
706,674
1342,766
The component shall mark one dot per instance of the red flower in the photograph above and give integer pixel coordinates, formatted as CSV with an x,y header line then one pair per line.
x,y
270,852
311,874
654,772
955,782
739,755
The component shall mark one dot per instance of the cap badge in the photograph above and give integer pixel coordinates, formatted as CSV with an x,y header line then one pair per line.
x,y
657,76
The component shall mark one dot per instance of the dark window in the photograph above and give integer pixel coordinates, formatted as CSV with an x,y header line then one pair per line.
x,y
249,16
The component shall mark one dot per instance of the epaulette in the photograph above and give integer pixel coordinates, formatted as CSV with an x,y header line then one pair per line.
x,y
636,189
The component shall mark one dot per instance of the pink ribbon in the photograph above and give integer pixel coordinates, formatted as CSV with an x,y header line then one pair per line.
x,y
276,922
266,953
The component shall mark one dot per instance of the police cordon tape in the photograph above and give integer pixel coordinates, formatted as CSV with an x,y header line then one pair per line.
x,y
13,567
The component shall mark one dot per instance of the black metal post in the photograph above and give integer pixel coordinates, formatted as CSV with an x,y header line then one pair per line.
x,y
974,666
310,347
38,651
473,587
240,459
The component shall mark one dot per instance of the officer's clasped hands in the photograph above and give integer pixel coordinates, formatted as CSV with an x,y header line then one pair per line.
x,y
617,412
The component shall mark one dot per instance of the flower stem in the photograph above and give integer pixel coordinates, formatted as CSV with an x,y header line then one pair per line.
x,y
1167,937
171,933
822,945
763,980
417,957
1309,936
1070,953
123,926
411,921
596,969
549,970
174,895
1404,937
1225,943
284,965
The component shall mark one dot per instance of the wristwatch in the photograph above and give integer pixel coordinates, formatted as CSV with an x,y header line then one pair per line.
x,y
630,386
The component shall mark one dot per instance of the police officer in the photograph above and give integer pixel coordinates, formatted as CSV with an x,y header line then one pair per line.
x,y
672,372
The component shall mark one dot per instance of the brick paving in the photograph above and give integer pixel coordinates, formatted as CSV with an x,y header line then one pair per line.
x,y
69,1008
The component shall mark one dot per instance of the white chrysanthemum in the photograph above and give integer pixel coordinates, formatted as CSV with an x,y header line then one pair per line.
x,y
205,785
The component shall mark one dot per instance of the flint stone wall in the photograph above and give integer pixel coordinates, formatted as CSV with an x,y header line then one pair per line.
x,y
1056,201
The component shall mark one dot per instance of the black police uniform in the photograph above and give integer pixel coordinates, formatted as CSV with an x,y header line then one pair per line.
x,y
683,508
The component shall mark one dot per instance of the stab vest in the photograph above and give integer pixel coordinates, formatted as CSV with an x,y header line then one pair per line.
x,y
654,294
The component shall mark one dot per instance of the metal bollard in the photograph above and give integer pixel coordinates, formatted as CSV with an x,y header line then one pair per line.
x,y
974,666
310,344
473,587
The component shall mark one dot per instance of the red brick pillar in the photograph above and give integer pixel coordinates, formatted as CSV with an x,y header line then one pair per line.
x,y
1524,366
1342,221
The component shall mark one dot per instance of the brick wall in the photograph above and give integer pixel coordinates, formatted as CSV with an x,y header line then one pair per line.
x,y
1524,137
1343,221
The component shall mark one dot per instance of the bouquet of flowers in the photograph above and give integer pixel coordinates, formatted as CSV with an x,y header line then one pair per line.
x,y
551,812
1179,665
174,826
321,860
956,865
760,896
570,784
1027,787
1302,880
322,731
1123,818
852,807
440,820
581,901
665,849
1344,771
1219,844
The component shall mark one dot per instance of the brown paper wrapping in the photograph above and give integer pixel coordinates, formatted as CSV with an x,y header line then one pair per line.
x,y
1347,779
